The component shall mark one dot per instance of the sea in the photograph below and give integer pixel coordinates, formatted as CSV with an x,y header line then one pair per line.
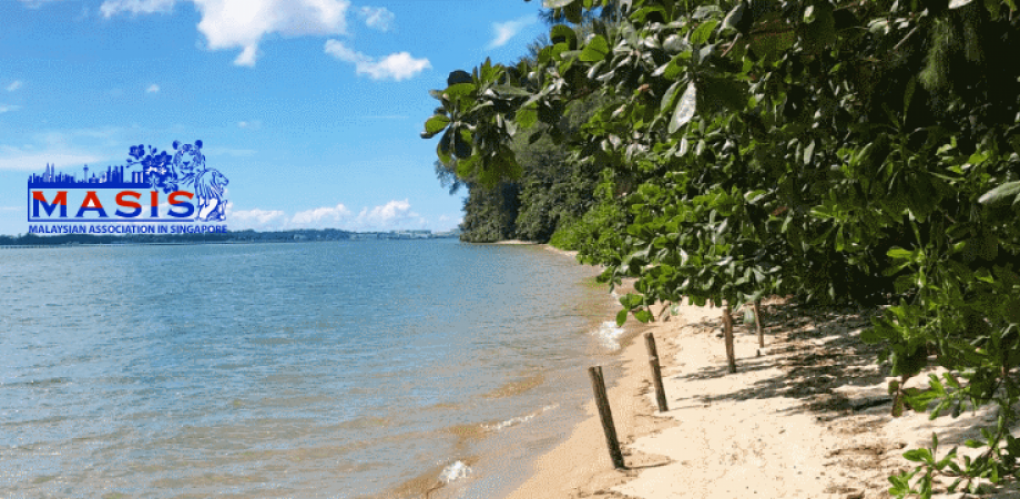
x,y
352,369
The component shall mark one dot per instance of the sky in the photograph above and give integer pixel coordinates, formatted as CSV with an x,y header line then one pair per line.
x,y
311,108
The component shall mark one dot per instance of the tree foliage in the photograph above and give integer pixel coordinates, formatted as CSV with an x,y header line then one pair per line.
x,y
830,149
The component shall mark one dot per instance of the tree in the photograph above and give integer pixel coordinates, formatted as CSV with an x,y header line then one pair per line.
x,y
834,150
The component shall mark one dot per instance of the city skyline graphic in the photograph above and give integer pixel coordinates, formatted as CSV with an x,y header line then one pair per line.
x,y
112,178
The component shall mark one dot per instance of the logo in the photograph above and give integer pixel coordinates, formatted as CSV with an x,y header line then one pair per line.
x,y
178,188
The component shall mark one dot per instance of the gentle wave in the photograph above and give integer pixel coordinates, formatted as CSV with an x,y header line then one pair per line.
x,y
518,419
609,334
454,472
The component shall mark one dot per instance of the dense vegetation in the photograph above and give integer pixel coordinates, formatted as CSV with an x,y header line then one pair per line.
x,y
550,192
832,150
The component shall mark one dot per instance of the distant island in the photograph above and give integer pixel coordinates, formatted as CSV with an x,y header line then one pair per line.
x,y
236,237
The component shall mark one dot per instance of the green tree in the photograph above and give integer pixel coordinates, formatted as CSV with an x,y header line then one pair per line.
x,y
834,150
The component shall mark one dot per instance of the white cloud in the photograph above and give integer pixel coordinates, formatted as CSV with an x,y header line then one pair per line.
x,y
241,24
255,218
379,18
398,66
5,108
153,89
16,84
109,8
505,31
19,159
252,125
35,4
319,217
389,215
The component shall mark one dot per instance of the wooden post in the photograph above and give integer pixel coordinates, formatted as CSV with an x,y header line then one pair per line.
x,y
757,323
598,385
728,336
653,360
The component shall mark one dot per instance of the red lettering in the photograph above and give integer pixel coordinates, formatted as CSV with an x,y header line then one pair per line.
x,y
121,201
91,201
60,198
173,197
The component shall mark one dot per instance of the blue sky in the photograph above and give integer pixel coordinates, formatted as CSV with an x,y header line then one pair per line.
x,y
311,108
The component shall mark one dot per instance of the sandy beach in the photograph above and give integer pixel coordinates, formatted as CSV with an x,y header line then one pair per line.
x,y
807,416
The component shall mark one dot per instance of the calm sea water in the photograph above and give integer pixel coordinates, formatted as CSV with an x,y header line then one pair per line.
x,y
366,368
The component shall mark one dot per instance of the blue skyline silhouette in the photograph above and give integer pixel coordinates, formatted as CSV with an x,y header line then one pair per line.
x,y
112,179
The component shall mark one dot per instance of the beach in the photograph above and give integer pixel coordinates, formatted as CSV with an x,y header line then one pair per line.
x,y
806,416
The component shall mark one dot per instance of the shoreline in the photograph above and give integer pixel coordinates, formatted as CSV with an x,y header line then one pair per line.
x,y
806,416
555,474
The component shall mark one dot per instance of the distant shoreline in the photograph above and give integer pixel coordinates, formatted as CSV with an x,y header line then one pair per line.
x,y
28,241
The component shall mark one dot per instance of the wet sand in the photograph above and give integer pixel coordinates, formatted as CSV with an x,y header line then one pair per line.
x,y
807,416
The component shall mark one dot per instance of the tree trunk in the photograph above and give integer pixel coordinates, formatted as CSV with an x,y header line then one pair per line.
x,y
757,324
728,335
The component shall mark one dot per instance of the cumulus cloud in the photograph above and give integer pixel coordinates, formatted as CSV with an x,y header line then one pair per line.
x,y
379,18
255,218
16,84
153,89
389,215
241,24
320,217
393,215
505,31
398,66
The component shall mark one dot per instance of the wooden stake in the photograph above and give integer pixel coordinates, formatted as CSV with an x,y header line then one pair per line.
x,y
598,385
728,336
653,360
757,324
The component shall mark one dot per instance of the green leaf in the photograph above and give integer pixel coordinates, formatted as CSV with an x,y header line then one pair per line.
x,y
643,315
573,12
669,96
631,300
556,4
734,17
458,76
436,124
562,33
908,95
899,253
527,117
443,149
685,108
595,50
621,317
703,32
917,455
956,4
809,153
1001,193
460,89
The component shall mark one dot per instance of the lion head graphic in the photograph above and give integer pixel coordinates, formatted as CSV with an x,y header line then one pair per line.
x,y
208,183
